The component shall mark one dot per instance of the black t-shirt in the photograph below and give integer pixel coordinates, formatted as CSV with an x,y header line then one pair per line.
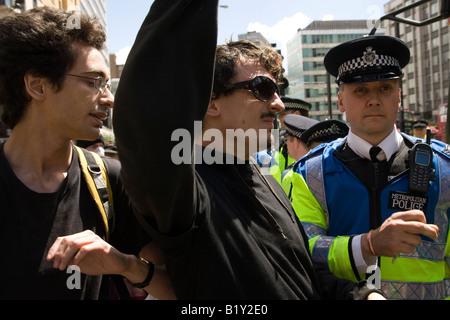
x,y
30,222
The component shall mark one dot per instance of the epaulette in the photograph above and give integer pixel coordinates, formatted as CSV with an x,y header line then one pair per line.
x,y
443,148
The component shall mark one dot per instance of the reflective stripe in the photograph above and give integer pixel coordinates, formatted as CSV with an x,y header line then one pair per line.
x,y
314,180
331,253
397,290
320,251
443,204
447,287
428,251
312,230
441,213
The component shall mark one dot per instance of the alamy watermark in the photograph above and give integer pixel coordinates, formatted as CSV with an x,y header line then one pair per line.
x,y
74,280
74,20
374,278
233,147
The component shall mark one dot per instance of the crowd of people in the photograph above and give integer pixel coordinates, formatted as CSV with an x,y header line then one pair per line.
x,y
351,210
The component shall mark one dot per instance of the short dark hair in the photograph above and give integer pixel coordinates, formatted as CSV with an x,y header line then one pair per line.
x,y
41,42
228,55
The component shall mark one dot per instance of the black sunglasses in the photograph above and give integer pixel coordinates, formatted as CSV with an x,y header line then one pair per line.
x,y
263,88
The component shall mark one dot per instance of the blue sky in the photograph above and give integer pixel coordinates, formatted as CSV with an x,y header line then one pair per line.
x,y
277,20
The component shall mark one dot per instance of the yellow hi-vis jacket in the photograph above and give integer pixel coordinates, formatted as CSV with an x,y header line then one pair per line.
x,y
333,205
279,165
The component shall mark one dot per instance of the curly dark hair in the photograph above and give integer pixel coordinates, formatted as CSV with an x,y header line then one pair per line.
x,y
40,42
228,55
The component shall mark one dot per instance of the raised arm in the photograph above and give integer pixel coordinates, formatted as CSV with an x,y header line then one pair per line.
x,y
165,86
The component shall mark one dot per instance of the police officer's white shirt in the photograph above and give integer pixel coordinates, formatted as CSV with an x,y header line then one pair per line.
x,y
361,147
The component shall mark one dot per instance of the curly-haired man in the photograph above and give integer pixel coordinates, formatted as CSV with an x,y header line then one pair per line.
x,y
54,89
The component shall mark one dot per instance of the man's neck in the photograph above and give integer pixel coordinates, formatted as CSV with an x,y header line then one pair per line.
x,y
40,162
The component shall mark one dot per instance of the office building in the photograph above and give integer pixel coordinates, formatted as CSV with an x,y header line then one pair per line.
x,y
426,83
7,6
92,8
308,79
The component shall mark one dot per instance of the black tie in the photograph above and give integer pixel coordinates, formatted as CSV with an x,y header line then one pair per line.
x,y
374,151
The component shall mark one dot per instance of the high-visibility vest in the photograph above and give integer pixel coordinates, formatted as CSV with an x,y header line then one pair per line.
x,y
276,164
279,165
333,205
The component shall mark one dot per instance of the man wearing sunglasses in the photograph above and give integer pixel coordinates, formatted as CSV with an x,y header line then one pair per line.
x,y
227,232
54,89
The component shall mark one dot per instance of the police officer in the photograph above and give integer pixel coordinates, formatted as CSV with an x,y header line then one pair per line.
x,y
361,213
295,127
293,106
279,160
304,134
324,131
420,128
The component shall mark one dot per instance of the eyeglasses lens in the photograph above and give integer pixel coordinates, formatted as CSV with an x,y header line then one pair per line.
x,y
101,84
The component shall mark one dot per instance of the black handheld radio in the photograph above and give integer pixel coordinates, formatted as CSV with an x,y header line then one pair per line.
x,y
420,166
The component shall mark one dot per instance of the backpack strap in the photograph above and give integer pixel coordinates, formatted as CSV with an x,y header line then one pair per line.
x,y
96,177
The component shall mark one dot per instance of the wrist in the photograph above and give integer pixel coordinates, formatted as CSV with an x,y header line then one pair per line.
x,y
143,274
369,240
367,246
135,270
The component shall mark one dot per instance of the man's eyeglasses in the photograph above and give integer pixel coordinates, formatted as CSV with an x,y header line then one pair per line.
x,y
263,88
99,83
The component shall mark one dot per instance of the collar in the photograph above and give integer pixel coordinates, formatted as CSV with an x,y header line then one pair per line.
x,y
361,147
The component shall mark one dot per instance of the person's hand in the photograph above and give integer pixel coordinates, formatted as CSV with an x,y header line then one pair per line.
x,y
89,252
94,256
398,234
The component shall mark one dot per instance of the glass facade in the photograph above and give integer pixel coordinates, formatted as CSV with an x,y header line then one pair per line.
x,y
97,8
329,38
306,72
426,81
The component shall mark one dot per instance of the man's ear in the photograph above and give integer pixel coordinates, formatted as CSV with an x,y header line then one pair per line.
x,y
213,109
341,102
35,86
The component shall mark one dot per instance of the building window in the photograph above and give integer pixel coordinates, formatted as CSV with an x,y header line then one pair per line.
x,y
435,8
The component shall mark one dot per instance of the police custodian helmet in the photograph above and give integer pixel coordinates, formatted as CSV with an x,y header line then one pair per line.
x,y
296,104
366,59
325,131
296,124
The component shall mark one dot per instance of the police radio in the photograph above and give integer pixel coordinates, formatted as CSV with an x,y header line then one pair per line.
x,y
420,166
